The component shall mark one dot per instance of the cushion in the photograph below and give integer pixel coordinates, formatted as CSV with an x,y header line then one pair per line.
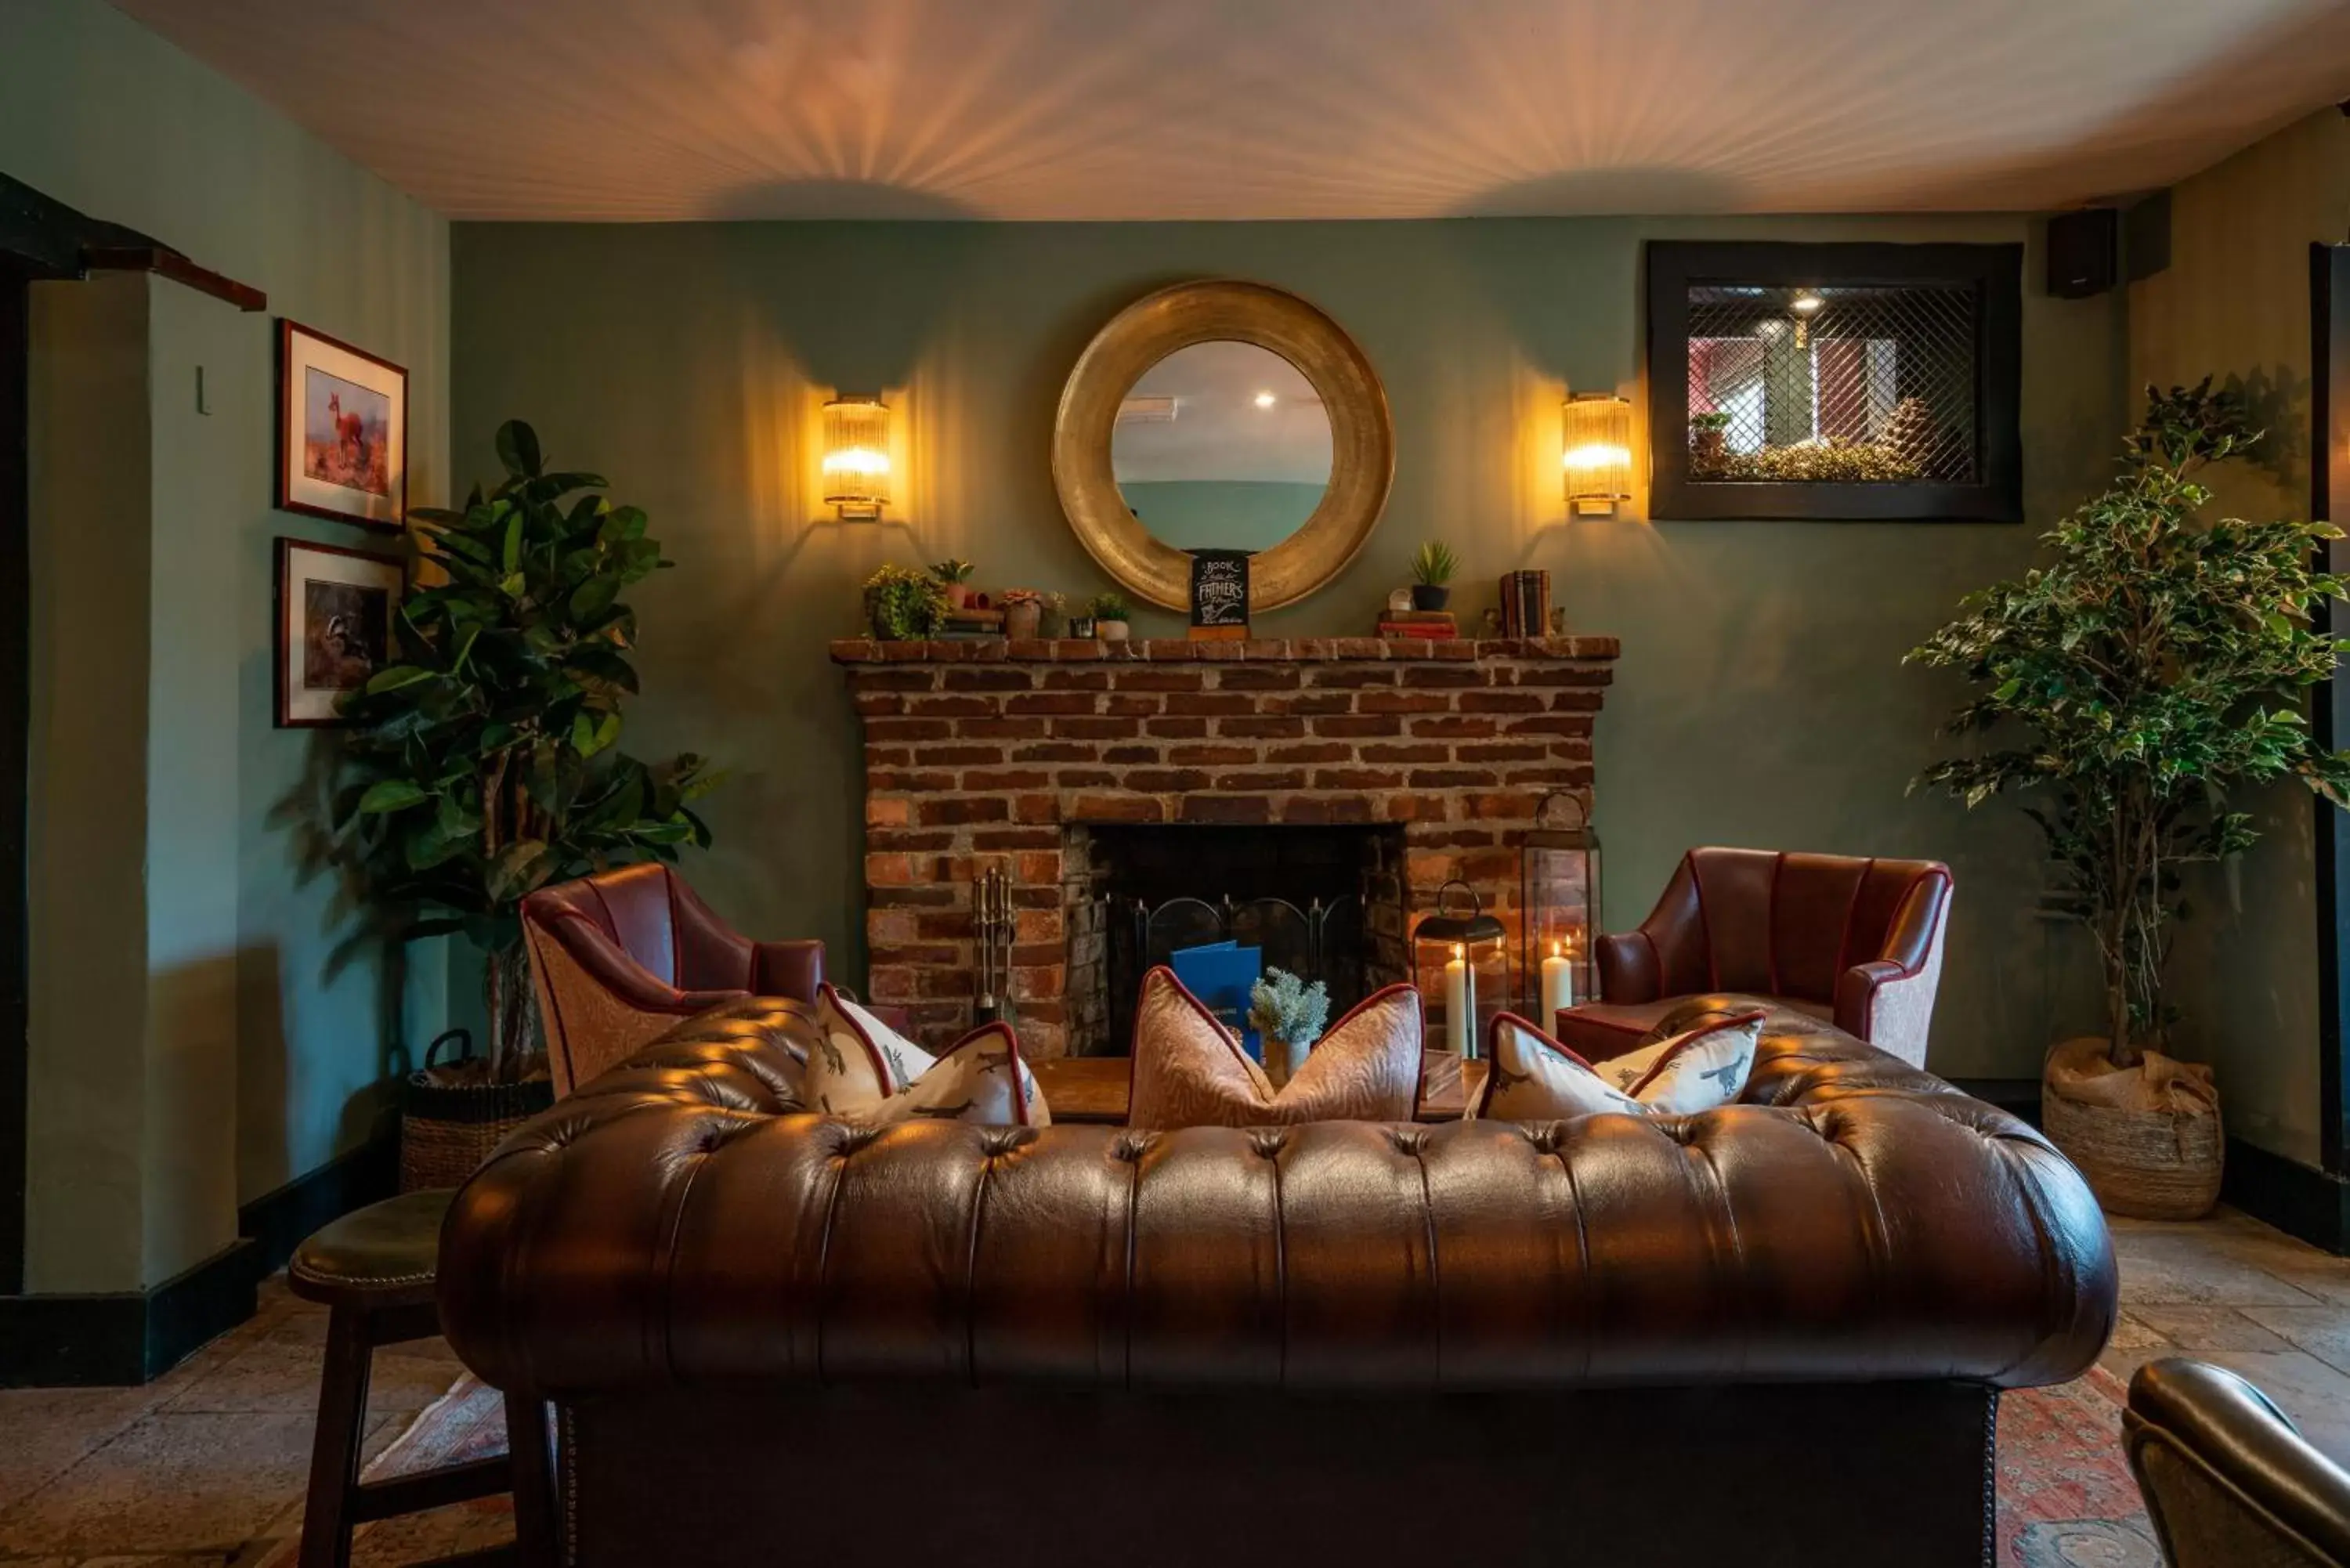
x,y
1529,1077
1189,1071
860,1069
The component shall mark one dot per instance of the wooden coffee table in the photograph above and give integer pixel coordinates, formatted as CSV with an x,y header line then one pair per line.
x,y
1093,1088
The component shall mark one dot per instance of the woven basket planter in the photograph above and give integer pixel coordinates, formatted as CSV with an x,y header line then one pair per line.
x,y
452,1115
2155,1162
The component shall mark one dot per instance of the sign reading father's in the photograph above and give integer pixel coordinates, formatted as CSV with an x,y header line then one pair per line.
x,y
1220,593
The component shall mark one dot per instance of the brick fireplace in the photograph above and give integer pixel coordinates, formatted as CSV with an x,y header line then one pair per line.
x,y
1015,752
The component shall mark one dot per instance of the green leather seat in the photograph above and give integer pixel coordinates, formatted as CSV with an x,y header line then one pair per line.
x,y
380,1256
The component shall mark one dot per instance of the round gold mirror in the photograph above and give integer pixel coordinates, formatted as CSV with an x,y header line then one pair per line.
x,y
1222,415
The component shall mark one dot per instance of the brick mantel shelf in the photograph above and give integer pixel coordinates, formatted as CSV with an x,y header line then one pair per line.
x,y
991,752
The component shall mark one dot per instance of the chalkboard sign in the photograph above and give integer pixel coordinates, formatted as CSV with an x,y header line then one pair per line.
x,y
1219,593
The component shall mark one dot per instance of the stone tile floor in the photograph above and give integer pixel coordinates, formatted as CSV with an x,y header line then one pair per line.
x,y
206,1465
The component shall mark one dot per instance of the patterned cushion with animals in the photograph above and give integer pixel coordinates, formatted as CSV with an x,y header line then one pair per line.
x,y
1189,1071
1529,1077
860,1069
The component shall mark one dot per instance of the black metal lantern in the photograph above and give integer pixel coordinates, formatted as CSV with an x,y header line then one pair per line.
x,y
1460,961
1558,908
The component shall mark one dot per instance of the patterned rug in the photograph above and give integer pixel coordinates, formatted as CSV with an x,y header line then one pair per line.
x,y
2065,1496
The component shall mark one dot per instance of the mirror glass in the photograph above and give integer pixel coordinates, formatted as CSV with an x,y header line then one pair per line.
x,y
1221,445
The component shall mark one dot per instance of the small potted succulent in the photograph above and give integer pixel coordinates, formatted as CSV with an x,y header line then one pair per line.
x,y
954,575
903,605
1709,441
1432,572
1109,614
1022,609
1288,1015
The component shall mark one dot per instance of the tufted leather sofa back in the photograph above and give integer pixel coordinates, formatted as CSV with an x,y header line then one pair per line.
x,y
678,1221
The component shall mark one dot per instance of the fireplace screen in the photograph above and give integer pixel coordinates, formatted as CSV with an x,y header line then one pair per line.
x,y
1833,381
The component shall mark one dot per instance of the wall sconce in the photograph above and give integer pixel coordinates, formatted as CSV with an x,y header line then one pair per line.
x,y
1597,452
857,457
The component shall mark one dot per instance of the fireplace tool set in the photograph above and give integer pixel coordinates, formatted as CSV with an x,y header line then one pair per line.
x,y
991,924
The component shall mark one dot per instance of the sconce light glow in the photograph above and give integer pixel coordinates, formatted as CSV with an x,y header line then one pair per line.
x,y
1597,452
857,457
1807,302
1265,400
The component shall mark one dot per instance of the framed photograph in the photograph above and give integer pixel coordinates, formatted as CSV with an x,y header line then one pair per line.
x,y
342,430
334,626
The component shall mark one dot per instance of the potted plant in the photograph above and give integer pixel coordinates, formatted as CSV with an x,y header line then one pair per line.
x,y
902,605
953,578
2153,663
1709,442
1024,611
1288,1014
1109,613
1431,570
484,762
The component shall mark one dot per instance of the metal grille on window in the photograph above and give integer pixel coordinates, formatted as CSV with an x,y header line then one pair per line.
x,y
1860,384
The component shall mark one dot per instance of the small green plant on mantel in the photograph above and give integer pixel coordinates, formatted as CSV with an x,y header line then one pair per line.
x,y
1431,570
483,761
903,605
2153,663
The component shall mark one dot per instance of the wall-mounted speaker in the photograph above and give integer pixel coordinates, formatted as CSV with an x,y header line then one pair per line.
x,y
2084,253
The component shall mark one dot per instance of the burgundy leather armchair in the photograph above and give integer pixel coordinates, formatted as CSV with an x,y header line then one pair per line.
x,y
1854,941
619,958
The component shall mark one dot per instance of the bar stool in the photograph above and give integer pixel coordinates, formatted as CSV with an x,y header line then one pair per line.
x,y
373,1269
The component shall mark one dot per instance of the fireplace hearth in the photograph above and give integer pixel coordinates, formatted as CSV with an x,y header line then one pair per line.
x,y
1347,778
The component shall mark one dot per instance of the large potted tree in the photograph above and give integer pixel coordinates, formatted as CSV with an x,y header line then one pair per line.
x,y
2155,661
483,761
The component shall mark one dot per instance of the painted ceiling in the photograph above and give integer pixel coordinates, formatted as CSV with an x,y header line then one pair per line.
x,y
653,109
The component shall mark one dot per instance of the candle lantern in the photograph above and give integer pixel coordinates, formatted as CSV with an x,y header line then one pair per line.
x,y
1558,908
1460,961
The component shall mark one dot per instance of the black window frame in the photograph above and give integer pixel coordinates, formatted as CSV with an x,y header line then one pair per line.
x,y
1994,272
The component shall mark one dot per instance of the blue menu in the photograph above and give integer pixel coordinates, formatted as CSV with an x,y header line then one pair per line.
x,y
1222,975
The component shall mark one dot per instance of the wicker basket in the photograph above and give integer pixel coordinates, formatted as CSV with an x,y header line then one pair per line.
x,y
2155,1163
452,1115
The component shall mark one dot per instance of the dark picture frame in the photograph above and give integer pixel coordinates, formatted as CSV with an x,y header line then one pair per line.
x,y
318,641
1993,272
348,463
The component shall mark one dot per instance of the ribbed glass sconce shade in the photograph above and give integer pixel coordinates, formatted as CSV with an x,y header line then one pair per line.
x,y
1597,450
856,456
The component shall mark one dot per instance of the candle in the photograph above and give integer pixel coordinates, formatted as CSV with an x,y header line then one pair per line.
x,y
1557,984
1459,1005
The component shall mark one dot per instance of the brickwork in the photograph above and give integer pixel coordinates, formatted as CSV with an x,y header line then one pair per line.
x,y
986,751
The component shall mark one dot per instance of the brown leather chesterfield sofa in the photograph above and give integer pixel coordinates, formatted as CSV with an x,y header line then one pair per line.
x,y
1856,942
1772,1335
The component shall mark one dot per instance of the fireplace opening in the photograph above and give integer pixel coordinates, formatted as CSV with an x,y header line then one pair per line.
x,y
1322,902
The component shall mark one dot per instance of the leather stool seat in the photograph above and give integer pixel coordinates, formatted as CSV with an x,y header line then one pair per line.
x,y
382,1255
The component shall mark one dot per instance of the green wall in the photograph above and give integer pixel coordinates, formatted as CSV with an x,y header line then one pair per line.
x,y
2235,301
1761,698
260,1056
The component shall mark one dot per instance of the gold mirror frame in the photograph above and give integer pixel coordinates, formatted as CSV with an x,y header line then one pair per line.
x,y
1362,439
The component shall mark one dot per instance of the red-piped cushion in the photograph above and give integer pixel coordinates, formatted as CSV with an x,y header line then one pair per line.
x,y
1190,1072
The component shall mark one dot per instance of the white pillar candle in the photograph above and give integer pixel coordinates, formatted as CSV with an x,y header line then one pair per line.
x,y
1459,1005
1557,985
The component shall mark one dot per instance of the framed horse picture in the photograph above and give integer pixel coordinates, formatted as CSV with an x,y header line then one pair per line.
x,y
342,430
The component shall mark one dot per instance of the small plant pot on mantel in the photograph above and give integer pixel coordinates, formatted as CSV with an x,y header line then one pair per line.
x,y
1429,595
1112,630
2147,1138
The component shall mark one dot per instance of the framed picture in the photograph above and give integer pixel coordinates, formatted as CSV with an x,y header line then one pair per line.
x,y
342,430
334,626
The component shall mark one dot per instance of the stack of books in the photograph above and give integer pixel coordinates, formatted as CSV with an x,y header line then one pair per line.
x,y
1526,603
1435,625
966,623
